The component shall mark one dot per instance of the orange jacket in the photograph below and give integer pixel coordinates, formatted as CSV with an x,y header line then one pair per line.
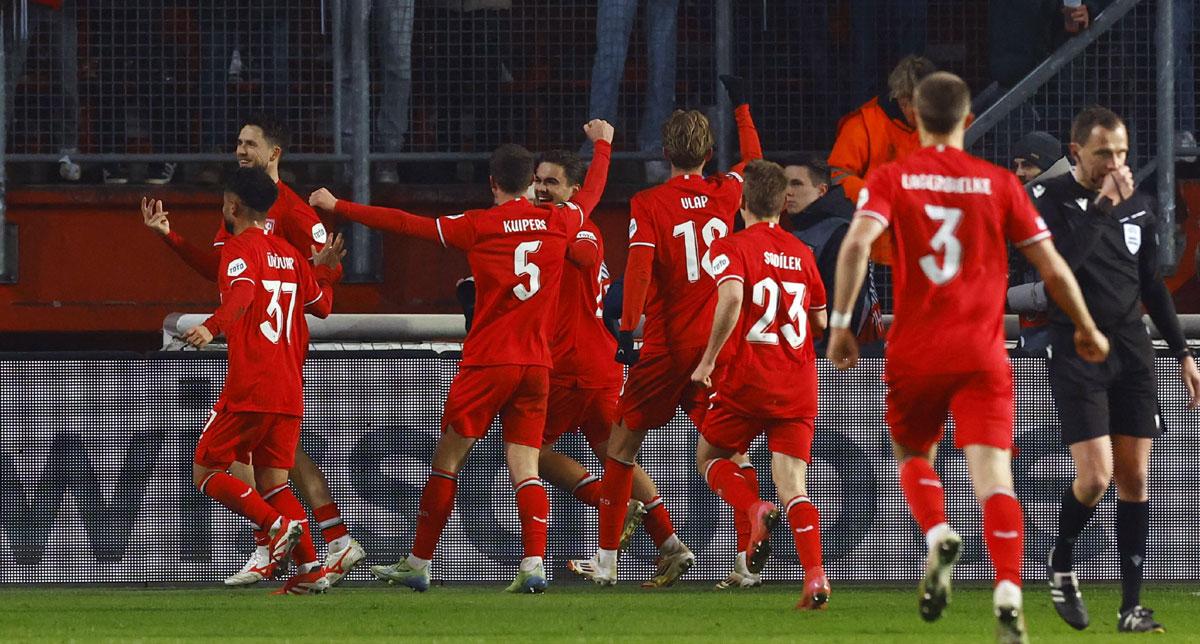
x,y
869,137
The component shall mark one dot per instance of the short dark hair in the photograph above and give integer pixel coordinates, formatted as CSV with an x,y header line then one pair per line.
x,y
254,188
816,166
765,189
942,101
273,128
572,165
511,167
1089,118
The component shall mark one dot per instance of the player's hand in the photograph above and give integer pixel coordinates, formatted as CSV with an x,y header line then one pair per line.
x,y
322,198
1091,345
735,86
1076,19
703,374
198,336
155,217
626,354
1191,378
330,256
598,130
843,349
1118,185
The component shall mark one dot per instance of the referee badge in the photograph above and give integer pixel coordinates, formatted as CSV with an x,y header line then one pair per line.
x,y
1133,237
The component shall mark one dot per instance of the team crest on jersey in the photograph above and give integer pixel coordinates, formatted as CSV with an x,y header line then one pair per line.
x,y
318,232
719,264
269,226
236,267
1133,237
863,198
632,228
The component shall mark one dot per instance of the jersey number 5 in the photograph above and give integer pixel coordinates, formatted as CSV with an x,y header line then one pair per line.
x,y
944,241
523,266
275,311
766,295
711,232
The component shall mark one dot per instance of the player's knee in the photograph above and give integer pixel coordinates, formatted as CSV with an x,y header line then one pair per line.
x,y
1132,486
1091,484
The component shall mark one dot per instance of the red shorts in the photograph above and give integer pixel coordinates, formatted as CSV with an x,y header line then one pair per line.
x,y
592,410
658,384
788,436
516,392
980,402
266,440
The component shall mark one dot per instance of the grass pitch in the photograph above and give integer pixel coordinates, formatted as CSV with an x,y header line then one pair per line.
x,y
568,612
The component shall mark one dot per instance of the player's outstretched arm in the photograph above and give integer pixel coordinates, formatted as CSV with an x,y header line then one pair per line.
x,y
600,133
234,303
851,271
205,261
392,220
1090,343
729,308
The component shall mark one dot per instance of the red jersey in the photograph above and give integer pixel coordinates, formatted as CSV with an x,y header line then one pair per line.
x,y
582,346
769,364
950,215
680,220
516,251
291,218
268,342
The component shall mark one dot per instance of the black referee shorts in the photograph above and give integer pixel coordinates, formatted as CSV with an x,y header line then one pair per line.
x,y
1117,396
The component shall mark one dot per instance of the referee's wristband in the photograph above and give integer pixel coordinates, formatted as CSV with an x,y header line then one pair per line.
x,y
839,320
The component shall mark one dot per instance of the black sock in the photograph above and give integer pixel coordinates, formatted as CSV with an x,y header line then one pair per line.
x,y
1072,519
1133,526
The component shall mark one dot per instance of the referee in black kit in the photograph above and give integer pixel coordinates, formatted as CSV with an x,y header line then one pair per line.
x,y
1108,411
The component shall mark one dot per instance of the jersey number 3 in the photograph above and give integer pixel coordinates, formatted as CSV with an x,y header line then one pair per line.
x,y
945,242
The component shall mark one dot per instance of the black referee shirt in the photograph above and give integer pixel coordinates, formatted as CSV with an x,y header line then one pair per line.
x,y
1114,254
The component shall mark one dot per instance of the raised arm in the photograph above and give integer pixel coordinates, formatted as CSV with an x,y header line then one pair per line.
x,y
729,308
205,261
748,142
588,197
392,220
583,252
327,264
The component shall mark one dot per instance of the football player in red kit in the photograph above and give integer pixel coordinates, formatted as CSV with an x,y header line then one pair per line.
x,y
770,301
669,273
516,250
266,286
949,216
260,144
585,383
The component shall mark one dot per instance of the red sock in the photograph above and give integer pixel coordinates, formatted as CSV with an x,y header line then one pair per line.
x,y
741,521
534,509
724,477
283,500
614,501
587,490
330,521
1004,533
923,490
437,501
806,528
658,521
240,499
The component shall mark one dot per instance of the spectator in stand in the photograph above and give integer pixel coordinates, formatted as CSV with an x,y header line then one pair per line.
x,y
1185,74
880,131
1022,33
60,17
392,21
1038,156
614,26
819,215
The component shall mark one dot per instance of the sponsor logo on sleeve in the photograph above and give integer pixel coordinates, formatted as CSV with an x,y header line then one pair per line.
x,y
586,234
632,228
863,198
236,267
719,264
318,233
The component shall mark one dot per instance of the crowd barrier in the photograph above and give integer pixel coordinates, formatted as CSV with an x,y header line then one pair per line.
x,y
96,450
